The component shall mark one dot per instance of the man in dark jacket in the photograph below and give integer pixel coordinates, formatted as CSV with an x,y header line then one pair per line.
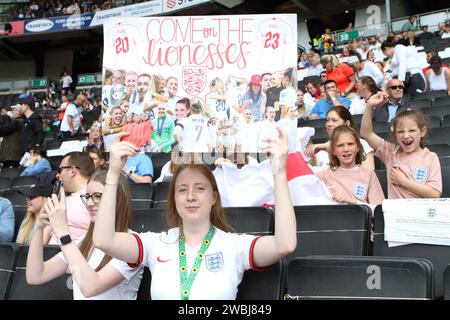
x,y
10,129
396,102
32,134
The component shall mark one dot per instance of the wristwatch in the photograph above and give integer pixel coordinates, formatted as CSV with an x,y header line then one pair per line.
x,y
65,239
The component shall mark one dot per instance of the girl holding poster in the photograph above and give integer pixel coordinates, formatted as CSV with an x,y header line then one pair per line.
x,y
197,258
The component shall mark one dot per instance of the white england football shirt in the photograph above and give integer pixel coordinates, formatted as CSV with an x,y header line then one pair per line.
x,y
124,38
274,34
221,270
126,290
195,134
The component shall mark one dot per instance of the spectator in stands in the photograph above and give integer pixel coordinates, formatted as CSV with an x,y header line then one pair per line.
x,y
74,172
36,197
412,170
315,68
341,73
138,169
446,33
410,25
194,208
327,41
366,87
303,61
333,99
97,156
163,130
70,124
370,56
438,78
366,68
32,134
91,114
405,66
94,274
312,95
11,131
302,111
395,104
412,40
347,179
425,35
7,220
95,137
338,116
440,31
65,82
349,27
38,163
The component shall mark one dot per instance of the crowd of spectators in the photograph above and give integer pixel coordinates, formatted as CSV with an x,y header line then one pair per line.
x,y
54,8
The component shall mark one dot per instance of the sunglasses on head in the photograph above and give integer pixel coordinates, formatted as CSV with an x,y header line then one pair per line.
x,y
396,87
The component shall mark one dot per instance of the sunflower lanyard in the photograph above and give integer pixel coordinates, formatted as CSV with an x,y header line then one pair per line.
x,y
185,281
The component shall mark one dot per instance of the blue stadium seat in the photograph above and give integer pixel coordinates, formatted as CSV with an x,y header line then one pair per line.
x,y
344,277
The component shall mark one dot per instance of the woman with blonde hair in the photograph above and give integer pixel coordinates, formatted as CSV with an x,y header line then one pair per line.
x,y
339,72
36,198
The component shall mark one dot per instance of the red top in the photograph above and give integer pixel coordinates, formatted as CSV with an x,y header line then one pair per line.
x,y
341,75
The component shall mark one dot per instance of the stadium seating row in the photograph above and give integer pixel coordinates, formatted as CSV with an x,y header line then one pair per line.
x,y
334,259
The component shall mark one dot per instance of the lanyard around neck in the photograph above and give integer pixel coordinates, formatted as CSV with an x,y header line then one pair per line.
x,y
185,281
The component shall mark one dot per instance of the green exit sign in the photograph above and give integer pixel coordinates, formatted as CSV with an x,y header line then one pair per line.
x,y
86,79
39,83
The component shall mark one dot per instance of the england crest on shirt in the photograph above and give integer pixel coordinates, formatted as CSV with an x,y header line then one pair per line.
x,y
420,174
214,262
359,190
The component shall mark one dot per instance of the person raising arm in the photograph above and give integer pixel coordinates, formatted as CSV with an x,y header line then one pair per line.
x,y
197,222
